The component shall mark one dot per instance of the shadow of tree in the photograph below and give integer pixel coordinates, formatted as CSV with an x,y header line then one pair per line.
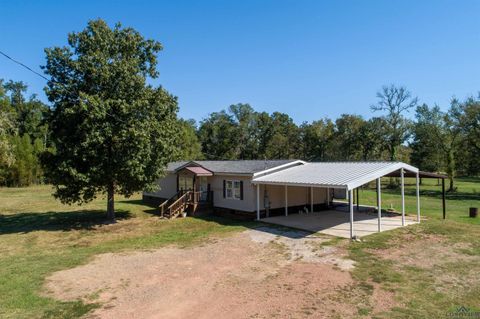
x,y
133,202
434,194
56,221
153,208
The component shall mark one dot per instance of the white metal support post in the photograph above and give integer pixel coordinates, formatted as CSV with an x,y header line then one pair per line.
x,y
350,203
311,199
379,203
258,201
286,200
402,187
418,197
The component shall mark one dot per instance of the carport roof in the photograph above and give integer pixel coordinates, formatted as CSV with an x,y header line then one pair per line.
x,y
348,175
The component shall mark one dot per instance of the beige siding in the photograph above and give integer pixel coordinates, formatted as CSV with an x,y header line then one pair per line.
x,y
296,196
168,187
248,203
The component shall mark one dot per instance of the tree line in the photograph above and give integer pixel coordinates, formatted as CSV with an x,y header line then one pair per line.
x,y
428,138
432,140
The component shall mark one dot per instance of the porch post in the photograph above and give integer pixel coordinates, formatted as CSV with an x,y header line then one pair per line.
x,y
418,197
311,199
286,201
350,204
258,201
402,187
328,197
379,203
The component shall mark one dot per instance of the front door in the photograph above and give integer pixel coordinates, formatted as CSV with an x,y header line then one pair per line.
x,y
203,187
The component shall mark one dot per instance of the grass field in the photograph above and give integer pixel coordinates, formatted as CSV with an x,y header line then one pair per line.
x,y
39,236
457,203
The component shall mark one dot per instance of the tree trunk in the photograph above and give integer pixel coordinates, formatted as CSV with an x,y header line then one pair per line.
x,y
451,168
110,202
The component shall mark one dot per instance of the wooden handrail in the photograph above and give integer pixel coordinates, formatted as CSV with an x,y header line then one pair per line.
x,y
181,201
178,204
162,205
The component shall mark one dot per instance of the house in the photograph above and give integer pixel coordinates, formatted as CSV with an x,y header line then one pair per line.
x,y
264,188
226,185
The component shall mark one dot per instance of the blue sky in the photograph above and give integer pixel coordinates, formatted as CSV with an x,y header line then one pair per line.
x,y
309,59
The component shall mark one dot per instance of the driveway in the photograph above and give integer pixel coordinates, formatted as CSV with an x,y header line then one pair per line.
x,y
259,273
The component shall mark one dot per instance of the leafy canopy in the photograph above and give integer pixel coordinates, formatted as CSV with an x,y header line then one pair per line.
x,y
112,130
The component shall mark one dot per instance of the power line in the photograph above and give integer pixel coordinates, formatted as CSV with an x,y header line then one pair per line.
x,y
45,78
23,65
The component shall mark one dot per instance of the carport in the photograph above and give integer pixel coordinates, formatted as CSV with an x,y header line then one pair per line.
x,y
346,176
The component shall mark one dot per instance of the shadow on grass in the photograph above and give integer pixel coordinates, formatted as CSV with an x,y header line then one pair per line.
x,y
153,209
133,202
434,194
55,221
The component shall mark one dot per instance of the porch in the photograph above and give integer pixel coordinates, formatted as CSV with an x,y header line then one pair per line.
x,y
193,192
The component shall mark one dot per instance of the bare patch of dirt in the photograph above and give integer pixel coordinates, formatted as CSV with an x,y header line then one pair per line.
x,y
383,300
261,273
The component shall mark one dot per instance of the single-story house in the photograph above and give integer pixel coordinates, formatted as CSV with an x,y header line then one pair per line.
x,y
262,188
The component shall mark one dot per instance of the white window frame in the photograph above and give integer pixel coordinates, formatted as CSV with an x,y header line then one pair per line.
x,y
233,189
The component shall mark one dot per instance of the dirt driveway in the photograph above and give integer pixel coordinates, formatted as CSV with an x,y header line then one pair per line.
x,y
259,273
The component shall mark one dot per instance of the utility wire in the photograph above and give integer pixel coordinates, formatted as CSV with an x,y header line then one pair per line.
x,y
45,78
23,65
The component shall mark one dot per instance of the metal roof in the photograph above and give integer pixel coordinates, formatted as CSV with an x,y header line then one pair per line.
x,y
346,175
232,167
199,171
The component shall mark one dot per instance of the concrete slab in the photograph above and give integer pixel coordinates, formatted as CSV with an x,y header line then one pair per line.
x,y
337,222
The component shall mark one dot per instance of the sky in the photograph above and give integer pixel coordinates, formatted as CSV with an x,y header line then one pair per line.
x,y
309,59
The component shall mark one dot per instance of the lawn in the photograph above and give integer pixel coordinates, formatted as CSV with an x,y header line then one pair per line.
x,y
431,267
457,203
38,236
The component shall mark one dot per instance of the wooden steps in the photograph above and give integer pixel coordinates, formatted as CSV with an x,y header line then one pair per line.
x,y
179,203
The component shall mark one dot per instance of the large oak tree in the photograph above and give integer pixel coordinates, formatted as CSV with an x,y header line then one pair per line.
x,y
113,132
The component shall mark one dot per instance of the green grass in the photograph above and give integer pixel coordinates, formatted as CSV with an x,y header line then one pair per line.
x,y
38,236
418,290
457,203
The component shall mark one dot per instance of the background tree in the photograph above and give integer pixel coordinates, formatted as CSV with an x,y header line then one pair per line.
x,y
443,130
113,132
470,127
317,140
7,128
395,102
426,155
372,142
263,133
188,142
284,140
218,137
246,125
24,135
348,137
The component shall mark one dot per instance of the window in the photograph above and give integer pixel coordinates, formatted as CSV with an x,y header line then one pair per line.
x,y
185,183
233,190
